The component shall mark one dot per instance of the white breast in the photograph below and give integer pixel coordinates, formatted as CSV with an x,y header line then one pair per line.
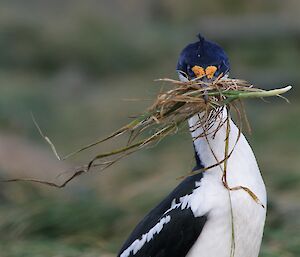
x,y
224,207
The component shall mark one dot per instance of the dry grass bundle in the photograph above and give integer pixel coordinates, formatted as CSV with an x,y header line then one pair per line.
x,y
169,111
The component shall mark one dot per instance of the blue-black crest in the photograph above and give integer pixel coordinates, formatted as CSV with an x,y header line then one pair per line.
x,y
201,55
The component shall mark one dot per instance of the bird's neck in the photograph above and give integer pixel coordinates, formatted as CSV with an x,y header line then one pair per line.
x,y
210,145
209,139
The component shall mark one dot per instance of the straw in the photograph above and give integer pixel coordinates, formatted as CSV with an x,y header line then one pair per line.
x,y
165,117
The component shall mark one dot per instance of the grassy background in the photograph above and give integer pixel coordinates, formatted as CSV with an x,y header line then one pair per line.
x,y
73,64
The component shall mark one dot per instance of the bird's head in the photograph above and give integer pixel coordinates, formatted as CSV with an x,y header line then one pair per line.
x,y
203,60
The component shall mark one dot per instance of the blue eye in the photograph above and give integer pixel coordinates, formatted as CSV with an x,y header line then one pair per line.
x,y
189,71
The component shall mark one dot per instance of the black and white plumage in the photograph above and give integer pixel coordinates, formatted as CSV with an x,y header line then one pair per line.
x,y
170,228
200,216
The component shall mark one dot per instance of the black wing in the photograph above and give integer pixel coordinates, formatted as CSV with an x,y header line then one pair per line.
x,y
180,228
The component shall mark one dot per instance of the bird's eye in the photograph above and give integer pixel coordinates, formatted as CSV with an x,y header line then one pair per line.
x,y
190,71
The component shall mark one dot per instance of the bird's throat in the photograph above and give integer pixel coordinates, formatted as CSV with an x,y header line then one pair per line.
x,y
210,137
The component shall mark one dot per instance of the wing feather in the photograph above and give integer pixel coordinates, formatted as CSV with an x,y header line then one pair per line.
x,y
168,230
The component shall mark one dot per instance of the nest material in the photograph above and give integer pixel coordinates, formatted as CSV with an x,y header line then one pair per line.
x,y
166,115
176,105
171,109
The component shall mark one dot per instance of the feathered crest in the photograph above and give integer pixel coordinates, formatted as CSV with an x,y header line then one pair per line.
x,y
201,38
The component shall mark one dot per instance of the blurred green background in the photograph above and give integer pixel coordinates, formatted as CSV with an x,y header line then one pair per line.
x,y
74,64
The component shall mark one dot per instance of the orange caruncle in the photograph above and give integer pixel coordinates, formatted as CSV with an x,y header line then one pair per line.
x,y
210,71
199,71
